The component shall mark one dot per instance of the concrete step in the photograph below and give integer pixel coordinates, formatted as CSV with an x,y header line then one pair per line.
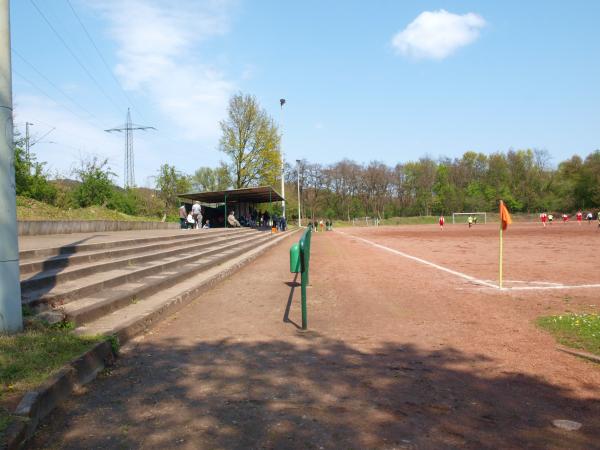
x,y
127,247
95,306
81,246
57,276
94,282
137,317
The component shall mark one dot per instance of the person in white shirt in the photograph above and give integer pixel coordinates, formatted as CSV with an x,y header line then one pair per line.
x,y
232,221
197,214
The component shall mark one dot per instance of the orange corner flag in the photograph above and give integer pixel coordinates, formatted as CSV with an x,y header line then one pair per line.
x,y
505,218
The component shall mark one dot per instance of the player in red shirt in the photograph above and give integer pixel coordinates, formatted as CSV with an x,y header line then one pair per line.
x,y
565,218
544,218
442,222
579,217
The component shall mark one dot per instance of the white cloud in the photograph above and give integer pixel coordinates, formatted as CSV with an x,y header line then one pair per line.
x,y
437,34
159,43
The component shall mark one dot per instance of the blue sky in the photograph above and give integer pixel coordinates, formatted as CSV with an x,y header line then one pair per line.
x,y
386,80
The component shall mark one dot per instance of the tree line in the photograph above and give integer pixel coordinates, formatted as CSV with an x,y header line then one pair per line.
x,y
524,179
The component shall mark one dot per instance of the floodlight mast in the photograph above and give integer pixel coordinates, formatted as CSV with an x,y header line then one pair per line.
x,y
298,179
281,103
129,167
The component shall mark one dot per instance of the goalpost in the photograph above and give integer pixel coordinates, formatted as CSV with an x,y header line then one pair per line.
x,y
467,214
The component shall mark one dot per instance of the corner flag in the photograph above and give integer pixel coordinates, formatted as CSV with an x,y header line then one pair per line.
x,y
505,218
505,221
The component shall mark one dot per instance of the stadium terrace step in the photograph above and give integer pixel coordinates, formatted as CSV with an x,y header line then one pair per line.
x,y
95,306
119,286
54,289
96,252
56,276
48,254
137,316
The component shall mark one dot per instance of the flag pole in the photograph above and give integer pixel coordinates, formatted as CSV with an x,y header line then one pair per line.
x,y
500,262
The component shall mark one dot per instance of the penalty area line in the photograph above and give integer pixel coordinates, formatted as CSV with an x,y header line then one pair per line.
x,y
427,263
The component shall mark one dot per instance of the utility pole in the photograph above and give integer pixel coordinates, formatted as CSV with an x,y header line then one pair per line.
x,y
129,167
11,319
282,102
27,139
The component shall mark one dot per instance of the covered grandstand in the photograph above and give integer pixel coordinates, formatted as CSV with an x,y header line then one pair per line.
x,y
245,202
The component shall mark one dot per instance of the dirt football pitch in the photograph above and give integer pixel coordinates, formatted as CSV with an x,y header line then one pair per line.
x,y
410,345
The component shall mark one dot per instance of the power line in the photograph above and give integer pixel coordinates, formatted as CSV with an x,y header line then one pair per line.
x,y
20,75
104,60
67,96
75,56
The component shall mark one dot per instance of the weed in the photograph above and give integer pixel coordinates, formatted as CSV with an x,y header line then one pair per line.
x,y
114,343
574,330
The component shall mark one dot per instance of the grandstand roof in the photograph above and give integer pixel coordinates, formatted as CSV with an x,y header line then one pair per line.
x,y
261,194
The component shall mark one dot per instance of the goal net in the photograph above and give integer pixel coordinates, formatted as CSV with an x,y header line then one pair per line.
x,y
463,217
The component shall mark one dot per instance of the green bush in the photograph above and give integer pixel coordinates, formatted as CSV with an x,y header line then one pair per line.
x,y
96,187
30,179
125,201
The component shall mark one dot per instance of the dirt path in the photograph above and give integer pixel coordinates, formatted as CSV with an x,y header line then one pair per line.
x,y
397,356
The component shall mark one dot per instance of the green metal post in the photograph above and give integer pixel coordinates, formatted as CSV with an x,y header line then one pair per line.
x,y
307,239
270,207
304,278
303,283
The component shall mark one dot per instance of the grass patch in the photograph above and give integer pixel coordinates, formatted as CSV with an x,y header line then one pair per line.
x,y
581,331
29,209
29,358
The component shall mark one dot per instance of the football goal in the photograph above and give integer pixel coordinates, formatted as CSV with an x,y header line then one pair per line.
x,y
463,217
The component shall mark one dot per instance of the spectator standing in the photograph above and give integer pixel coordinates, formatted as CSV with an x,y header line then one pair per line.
x,y
197,214
182,216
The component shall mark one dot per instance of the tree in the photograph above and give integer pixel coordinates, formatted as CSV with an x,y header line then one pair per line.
x,y
169,183
251,140
209,179
96,184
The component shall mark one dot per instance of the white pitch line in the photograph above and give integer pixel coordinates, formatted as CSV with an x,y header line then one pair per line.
x,y
427,263
469,277
545,283
547,288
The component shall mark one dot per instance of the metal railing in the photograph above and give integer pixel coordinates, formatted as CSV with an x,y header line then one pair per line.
x,y
300,262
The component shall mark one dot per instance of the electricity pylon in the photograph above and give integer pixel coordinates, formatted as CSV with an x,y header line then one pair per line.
x,y
129,167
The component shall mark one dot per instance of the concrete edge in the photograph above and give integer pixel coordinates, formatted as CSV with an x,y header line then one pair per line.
x,y
44,227
37,404
135,327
